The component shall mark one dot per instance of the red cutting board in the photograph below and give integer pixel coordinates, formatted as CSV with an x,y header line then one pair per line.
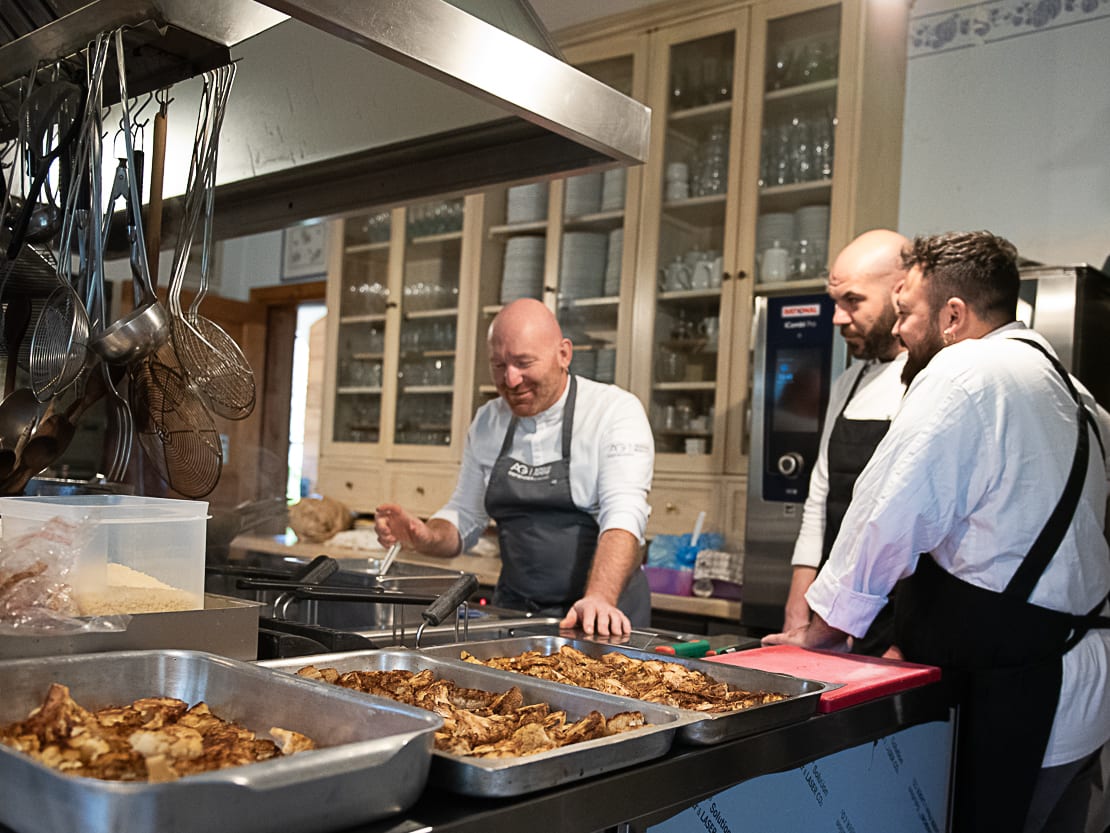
x,y
863,678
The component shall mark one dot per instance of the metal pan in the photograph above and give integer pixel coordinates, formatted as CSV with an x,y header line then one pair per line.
x,y
706,729
374,763
502,777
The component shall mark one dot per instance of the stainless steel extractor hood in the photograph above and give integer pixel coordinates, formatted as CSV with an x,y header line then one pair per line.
x,y
345,105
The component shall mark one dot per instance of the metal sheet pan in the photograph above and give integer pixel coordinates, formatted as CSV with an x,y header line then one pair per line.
x,y
708,729
502,777
374,763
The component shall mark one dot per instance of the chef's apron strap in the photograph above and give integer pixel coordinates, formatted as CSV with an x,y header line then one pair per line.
x,y
568,419
1045,546
507,443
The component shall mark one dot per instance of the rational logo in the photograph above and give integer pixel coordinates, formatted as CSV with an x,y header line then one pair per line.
x,y
801,311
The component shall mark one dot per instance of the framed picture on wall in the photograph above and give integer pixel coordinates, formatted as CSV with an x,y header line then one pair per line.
x,y
304,251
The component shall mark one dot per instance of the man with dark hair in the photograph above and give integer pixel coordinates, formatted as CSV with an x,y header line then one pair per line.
x,y
989,494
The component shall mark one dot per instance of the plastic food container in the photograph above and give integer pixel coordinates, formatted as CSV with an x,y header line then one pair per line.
x,y
139,554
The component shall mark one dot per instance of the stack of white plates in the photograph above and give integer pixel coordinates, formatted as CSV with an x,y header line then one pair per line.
x,y
811,222
582,266
612,189
613,263
583,195
522,276
606,370
774,226
527,203
583,363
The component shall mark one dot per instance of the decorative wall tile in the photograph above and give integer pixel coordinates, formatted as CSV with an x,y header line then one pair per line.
x,y
996,20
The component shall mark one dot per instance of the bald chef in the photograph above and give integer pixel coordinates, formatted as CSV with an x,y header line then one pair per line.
x,y
563,464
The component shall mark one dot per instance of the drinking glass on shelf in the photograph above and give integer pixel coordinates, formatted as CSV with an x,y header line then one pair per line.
x,y
670,366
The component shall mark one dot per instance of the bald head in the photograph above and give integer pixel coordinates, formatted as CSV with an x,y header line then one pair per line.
x,y
874,256
861,282
528,356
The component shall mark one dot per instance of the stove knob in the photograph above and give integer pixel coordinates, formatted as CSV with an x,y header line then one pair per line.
x,y
790,464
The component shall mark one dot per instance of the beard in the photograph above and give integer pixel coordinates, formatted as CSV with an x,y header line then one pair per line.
x,y
879,342
919,355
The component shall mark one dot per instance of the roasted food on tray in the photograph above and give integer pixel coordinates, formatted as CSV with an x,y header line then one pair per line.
x,y
656,681
480,723
152,739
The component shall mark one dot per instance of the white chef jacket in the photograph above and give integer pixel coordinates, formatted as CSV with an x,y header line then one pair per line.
x,y
973,464
878,396
611,460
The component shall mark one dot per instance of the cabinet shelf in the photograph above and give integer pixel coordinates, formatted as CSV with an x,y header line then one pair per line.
x,y
436,239
360,248
789,287
703,112
428,354
602,301
533,227
801,91
367,357
795,195
696,213
605,220
427,389
369,318
689,294
444,312
359,390
679,386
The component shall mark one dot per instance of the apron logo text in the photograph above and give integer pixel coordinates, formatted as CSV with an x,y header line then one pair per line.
x,y
521,471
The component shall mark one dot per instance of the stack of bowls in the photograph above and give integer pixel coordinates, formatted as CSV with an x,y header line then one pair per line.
x,y
774,227
522,276
613,263
526,203
612,189
811,222
583,195
583,263
606,369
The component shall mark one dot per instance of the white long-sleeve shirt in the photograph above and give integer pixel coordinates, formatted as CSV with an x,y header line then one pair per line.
x,y
611,461
973,464
878,396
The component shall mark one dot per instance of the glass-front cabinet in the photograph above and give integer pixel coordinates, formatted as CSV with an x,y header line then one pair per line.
x,y
685,293
361,298
396,359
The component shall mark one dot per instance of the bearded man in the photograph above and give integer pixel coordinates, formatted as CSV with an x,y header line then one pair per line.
x,y
988,496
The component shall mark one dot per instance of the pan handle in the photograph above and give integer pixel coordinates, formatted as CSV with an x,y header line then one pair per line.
x,y
317,570
456,594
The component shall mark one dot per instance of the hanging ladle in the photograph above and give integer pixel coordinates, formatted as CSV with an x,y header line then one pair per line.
x,y
147,327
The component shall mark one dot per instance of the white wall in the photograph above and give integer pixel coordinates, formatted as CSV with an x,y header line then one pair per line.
x,y
1007,124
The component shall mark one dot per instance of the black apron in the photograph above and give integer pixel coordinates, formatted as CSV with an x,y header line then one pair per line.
x,y
548,543
1006,657
851,444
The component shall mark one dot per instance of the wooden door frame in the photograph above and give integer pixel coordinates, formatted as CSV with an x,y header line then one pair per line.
x,y
275,398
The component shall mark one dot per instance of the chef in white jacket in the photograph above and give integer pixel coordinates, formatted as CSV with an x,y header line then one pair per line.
x,y
988,494
862,402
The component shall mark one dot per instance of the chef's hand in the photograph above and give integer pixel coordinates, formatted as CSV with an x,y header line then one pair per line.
x,y
593,613
393,524
818,634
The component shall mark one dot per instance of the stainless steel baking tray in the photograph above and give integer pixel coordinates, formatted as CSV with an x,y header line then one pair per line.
x,y
708,729
503,777
375,762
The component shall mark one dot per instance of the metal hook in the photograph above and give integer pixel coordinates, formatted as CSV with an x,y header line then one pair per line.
x,y
164,99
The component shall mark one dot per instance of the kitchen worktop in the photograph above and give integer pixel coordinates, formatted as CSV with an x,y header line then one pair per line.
x,y
485,568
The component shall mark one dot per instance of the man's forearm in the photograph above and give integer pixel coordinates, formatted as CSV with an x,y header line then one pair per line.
x,y
444,539
617,556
